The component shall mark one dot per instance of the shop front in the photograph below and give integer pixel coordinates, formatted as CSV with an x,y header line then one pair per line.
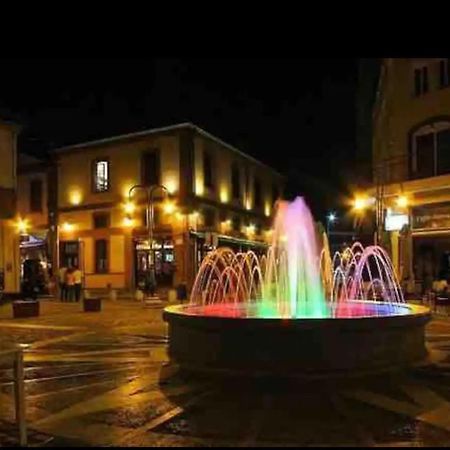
x,y
35,264
431,243
161,256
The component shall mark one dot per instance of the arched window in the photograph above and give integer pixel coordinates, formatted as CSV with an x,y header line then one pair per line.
x,y
430,150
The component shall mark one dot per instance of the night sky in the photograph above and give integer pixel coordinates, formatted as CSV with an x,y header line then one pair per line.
x,y
297,115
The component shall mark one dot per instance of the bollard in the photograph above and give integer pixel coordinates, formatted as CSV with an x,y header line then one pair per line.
x,y
19,393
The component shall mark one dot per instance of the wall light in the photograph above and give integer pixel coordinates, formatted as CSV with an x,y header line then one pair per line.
x,y
402,201
359,203
75,197
171,184
199,187
224,195
129,207
169,207
127,222
22,225
67,227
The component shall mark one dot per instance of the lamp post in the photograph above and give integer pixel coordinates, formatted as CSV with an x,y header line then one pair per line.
x,y
149,190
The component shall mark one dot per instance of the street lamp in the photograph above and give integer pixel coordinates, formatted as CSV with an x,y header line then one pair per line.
x,y
331,218
149,190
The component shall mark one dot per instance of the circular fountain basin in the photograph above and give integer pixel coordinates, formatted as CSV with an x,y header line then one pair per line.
x,y
350,338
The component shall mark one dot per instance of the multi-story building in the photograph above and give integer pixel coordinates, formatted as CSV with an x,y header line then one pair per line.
x,y
211,194
9,238
411,162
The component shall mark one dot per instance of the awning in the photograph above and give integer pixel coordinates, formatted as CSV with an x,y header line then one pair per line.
x,y
31,241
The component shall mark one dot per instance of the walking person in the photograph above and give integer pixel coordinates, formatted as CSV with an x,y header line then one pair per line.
x,y
62,283
70,282
77,274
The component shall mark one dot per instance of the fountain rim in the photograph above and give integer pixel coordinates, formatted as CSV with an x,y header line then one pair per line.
x,y
416,312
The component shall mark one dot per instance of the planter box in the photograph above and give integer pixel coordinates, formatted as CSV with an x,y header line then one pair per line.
x,y
22,308
93,304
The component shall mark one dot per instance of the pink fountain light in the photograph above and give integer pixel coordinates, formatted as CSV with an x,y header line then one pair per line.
x,y
297,278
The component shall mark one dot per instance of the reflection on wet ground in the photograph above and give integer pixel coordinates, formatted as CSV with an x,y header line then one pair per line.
x,y
106,380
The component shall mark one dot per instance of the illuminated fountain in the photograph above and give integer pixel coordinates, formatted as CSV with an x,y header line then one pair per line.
x,y
321,313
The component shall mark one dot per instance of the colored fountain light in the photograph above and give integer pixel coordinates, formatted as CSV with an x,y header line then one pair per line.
x,y
347,305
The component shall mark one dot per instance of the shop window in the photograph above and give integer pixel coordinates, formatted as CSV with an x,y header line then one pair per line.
x,y
36,196
100,175
101,256
101,220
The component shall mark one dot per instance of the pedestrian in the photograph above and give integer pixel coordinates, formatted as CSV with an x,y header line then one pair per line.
x,y
62,283
70,283
77,274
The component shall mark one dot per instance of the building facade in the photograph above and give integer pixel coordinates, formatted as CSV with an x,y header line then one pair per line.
x,y
95,213
9,237
411,166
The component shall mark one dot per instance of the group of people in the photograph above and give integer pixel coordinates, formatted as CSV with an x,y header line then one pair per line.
x,y
70,284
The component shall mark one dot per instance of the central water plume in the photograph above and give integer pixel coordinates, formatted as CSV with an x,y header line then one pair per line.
x,y
292,273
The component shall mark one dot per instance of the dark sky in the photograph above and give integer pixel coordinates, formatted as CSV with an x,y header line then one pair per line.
x,y
297,115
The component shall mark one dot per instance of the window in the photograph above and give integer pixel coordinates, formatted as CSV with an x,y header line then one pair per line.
x,y
208,170
101,219
257,193
150,168
36,196
209,217
101,256
444,72
101,175
68,253
421,80
235,181
431,150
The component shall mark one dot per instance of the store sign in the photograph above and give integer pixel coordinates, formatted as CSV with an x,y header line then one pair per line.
x,y
431,216
395,222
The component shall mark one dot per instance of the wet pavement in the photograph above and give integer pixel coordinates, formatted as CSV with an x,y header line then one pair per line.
x,y
100,379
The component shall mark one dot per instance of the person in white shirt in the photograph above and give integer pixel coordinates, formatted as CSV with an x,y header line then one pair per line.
x,y
77,275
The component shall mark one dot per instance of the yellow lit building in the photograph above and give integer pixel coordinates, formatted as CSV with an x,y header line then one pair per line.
x,y
213,195
411,161
9,236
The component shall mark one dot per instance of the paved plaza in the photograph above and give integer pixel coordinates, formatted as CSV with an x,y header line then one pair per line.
x,y
101,379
